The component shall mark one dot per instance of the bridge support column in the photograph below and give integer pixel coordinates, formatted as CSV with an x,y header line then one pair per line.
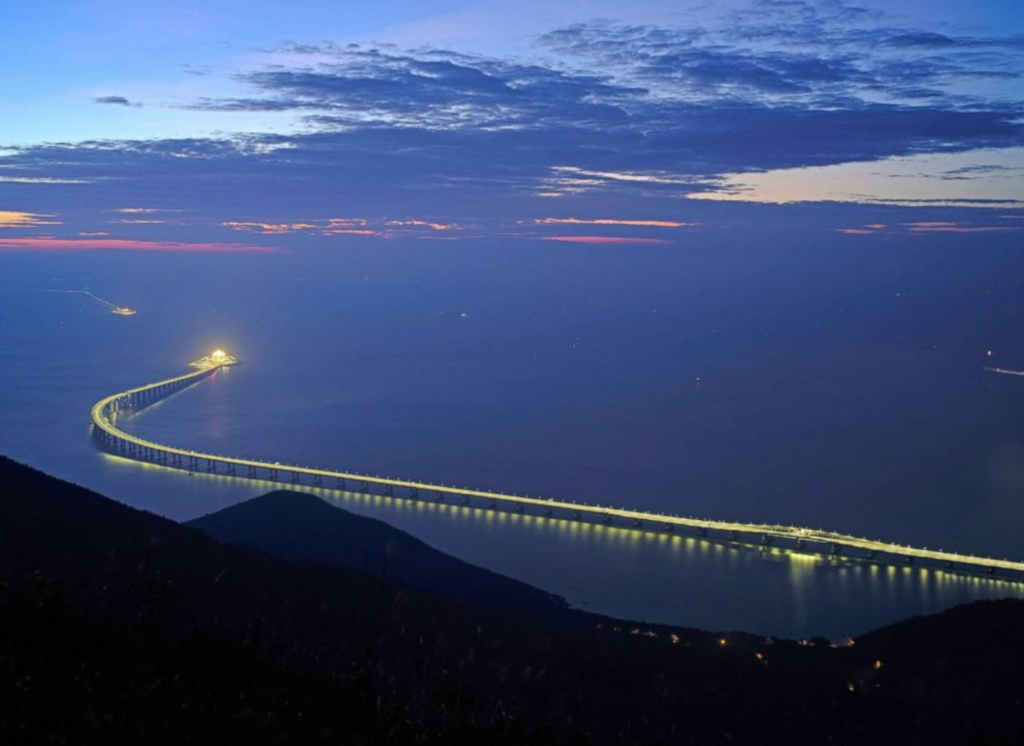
x,y
834,550
702,532
465,499
606,519
231,469
577,515
766,541
317,480
438,497
908,560
273,474
389,490
547,511
414,493
669,528
251,470
872,554
637,523
519,507
294,477
801,543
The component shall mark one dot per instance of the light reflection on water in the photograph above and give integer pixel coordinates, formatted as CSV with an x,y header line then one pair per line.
x,y
655,577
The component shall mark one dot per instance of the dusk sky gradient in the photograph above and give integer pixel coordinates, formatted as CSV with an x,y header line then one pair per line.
x,y
207,125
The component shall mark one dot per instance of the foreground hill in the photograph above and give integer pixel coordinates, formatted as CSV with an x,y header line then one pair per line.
x,y
299,526
119,626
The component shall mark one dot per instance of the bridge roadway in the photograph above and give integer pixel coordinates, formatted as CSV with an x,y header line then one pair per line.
x,y
107,411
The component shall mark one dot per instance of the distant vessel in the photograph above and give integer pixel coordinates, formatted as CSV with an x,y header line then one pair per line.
x,y
112,307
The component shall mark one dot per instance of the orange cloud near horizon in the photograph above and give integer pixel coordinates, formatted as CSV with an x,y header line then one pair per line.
x,y
605,240
18,219
116,244
612,221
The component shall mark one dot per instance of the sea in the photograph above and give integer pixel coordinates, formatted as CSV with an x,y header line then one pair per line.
x,y
820,385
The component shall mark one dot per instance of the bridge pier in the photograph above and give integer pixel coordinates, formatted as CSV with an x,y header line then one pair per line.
x,y
231,469
668,528
702,532
251,471
637,523
548,511
211,465
834,550
317,480
519,507
908,560
493,504
294,477
576,515
872,554
766,541
273,474
465,499
438,496
606,519
389,490
414,492
734,536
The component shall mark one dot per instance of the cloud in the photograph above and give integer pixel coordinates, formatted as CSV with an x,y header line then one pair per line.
x,y
425,224
113,101
14,219
112,244
597,117
605,240
611,221
343,227
931,226
954,227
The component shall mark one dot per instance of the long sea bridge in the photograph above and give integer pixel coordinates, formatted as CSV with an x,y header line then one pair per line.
x,y
108,411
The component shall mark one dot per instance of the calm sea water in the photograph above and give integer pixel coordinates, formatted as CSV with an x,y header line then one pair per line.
x,y
837,390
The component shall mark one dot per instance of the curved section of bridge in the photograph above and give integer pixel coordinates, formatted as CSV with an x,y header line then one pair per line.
x,y
107,412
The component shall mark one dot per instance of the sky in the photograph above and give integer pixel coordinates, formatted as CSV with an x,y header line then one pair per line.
x,y
239,127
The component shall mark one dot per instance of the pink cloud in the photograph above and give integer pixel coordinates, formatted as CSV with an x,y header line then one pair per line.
x,y
856,231
113,244
605,240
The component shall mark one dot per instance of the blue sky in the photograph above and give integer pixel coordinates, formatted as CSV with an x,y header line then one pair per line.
x,y
449,120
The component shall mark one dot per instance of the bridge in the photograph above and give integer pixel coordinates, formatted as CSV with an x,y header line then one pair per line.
x,y
107,412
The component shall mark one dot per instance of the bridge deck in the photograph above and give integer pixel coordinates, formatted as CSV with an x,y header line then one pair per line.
x,y
104,416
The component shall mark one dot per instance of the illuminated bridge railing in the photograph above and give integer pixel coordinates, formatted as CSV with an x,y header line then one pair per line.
x,y
108,411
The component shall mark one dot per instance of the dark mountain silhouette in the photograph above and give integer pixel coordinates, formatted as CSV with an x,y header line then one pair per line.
x,y
299,526
117,626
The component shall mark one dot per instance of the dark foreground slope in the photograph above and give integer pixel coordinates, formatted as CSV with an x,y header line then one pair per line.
x,y
117,626
299,526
